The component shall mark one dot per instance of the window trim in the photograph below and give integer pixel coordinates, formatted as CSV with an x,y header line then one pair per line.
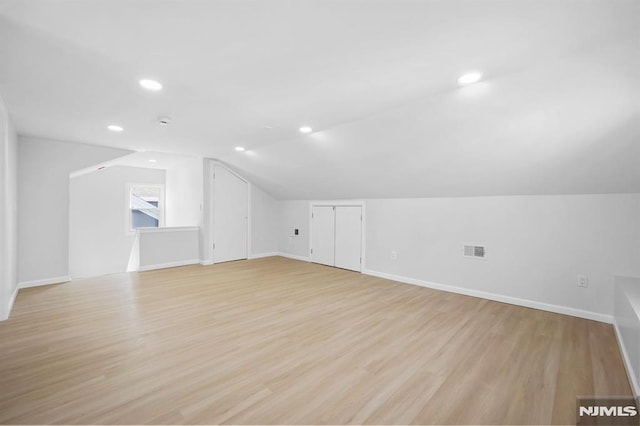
x,y
161,205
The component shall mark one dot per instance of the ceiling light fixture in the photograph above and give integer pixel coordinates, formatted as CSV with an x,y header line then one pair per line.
x,y
153,161
151,85
305,129
114,128
469,78
239,148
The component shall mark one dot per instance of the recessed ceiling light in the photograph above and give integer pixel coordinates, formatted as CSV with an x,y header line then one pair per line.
x,y
151,84
305,129
469,78
239,148
114,128
153,161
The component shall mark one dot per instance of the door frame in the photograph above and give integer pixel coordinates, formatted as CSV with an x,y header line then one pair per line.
x,y
338,203
209,175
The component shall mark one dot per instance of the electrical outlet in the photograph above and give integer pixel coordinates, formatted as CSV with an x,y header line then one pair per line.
x,y
394,255
583,281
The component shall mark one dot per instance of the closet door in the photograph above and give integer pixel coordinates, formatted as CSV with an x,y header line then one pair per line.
x,y
348,237
323,235
230,203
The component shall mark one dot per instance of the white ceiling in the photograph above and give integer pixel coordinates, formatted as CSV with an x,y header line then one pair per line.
x,y
557,112
142,159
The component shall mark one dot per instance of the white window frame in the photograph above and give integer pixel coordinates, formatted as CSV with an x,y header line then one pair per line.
x,y
161,205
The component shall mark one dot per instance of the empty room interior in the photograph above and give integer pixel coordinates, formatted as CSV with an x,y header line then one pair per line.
x,y
319,212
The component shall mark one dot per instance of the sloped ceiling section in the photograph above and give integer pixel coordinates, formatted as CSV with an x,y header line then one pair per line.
x,y
558,109
569,126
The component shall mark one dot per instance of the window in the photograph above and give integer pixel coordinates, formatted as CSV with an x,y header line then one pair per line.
x,y
146,206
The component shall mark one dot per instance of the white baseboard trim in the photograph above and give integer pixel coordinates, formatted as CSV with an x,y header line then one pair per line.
x,y
261,255
4,315
46,281
206,263
565,310
294,256
627,362
168,265
12,300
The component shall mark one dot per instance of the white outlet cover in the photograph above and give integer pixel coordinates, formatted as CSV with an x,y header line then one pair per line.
x,y
583,281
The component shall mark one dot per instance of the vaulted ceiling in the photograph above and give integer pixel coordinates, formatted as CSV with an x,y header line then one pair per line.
x,y
557,110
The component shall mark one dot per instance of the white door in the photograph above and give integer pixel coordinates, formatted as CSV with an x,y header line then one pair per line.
x,y
229,216
323,235
348,237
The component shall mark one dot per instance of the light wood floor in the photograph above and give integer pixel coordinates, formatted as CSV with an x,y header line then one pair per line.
x,y
280,341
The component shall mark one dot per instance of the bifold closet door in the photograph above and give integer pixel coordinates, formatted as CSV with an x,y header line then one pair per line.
x,y
323,235
230,203
348,236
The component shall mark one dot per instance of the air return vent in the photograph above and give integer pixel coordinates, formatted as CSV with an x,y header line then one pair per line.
x,y
477,252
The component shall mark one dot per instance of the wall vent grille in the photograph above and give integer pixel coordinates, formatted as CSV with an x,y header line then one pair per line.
x,y
477,252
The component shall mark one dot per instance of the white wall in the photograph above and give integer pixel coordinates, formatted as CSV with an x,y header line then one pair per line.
x,y
98,239
264,223
294,214
536,245
184,193
8,213
43,204
627,324
167,247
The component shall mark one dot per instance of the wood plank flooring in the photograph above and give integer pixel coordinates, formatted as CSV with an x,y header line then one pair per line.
x,y
278,341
